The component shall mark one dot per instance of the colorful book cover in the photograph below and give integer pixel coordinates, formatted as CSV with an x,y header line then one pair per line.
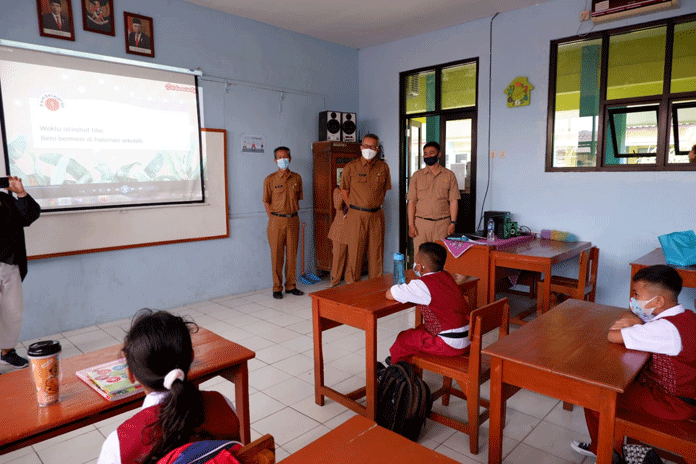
x,y
110,380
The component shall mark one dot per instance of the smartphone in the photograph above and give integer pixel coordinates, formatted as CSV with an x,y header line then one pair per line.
x,y
4,182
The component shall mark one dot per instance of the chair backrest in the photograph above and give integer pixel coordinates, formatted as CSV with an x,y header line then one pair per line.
x,y
489,317
588,266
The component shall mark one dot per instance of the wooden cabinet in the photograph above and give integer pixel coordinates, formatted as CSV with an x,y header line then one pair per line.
x,y
329,161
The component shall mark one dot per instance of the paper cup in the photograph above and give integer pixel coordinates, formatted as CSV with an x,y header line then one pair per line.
x,y
44,358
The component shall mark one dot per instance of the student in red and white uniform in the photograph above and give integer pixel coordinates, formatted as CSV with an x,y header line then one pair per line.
x,y
445,327
657,323
159,353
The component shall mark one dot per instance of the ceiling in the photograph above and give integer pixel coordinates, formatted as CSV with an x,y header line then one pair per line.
x,y
363,23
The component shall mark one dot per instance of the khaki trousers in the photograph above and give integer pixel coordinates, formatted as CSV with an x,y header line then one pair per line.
x,y
11,305
430,231
338,262
283,237
364,230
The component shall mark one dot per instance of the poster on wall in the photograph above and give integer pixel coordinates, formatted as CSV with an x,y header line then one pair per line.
x,y
253,143
55,19
97,16
139,32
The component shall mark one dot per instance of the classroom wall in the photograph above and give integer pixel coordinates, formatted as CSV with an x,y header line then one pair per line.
x,y
622,213
281,81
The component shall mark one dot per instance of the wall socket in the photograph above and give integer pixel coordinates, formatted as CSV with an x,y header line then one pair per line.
x,y
585,16
492,153
502,153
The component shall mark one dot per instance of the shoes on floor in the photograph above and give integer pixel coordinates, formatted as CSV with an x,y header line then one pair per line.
x,y
14,360
278,295
295,291
582,448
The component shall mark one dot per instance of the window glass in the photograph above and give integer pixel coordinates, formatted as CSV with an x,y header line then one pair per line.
x,y
683,58
577,104
458,150
419,92
636,63
459,86
635,131
683,118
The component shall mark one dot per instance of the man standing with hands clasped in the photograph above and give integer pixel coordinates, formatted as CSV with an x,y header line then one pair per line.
x,y
433,196
364,183
15,214
282,192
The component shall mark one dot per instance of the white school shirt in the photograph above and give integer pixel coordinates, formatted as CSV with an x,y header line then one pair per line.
x,y
417,292
111,449
655,336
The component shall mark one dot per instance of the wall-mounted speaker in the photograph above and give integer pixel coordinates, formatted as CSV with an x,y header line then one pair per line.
x,y
349,129
330,126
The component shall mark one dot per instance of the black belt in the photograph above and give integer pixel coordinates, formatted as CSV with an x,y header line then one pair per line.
x,y
369,210
691,401
284,215
428,219
455,334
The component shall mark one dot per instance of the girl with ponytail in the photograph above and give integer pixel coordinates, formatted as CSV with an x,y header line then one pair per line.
x,y
159,353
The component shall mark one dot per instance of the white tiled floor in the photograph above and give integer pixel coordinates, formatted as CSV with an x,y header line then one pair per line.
x,y
281,386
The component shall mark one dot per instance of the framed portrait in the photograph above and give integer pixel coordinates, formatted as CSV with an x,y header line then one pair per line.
x,y
140,38
98,16
56,19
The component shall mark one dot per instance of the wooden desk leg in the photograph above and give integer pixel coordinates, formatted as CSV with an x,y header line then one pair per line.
x,y
545,290
318,353
495,432
491,281
371,367
605,435
240,377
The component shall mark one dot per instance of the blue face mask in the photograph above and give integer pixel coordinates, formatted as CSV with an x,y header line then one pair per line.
x,y
283,163
414,270
638,308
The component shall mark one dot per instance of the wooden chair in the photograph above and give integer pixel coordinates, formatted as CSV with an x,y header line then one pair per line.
x,y
259,451
582,288
678,437
469,370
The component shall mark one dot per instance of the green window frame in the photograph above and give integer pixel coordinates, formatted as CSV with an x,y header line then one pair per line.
x,y
596,86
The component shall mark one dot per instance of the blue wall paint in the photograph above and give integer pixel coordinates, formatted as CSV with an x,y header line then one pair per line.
x,y
622,213
77,291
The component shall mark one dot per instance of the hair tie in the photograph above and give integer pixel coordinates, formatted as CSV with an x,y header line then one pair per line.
x,y
174,374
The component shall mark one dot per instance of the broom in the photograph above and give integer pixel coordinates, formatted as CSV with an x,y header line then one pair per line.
x,y
307,278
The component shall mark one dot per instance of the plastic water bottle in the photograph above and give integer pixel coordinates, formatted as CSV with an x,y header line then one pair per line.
x,y
490,236
399,270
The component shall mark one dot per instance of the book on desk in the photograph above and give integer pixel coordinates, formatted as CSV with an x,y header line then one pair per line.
x,y
110,380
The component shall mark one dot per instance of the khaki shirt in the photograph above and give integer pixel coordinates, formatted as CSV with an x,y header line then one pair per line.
x,y
337,229
367,182
283,191
433,193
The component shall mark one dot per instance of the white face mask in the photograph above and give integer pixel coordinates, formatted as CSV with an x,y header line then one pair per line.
x,y
283,163
368,153
638,308
414,270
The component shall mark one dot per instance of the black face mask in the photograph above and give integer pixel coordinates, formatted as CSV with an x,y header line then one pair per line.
x,y
431,160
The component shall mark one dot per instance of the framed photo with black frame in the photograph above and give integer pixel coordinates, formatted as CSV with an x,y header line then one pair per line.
x,y
139,33
55,19
98,16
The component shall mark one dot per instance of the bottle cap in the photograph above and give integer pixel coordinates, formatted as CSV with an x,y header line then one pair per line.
x,y
44,348
398,257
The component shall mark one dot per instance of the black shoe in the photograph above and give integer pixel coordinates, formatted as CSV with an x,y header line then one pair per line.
x,y
295,291
278,295
14,360
582,448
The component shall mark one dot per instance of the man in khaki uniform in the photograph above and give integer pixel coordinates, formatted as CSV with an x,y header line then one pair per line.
x,y
282,192
365,182
433,196
337,235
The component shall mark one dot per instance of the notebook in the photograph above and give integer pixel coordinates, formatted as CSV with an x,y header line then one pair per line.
x,y
110,380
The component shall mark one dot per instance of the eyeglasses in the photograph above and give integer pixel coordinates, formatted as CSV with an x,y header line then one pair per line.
x,y
371,147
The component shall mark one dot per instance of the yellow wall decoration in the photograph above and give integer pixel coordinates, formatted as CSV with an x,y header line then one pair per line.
x,y
519,92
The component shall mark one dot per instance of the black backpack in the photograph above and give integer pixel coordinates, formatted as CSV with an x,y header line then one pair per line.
x,y
403,400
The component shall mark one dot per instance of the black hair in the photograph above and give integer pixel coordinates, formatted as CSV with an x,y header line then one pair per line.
x,y
661,275
435,253
157,343
371,136
281,148
432,144
136,21
55,1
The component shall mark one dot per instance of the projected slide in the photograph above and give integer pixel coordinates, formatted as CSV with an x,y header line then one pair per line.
x,y
82,134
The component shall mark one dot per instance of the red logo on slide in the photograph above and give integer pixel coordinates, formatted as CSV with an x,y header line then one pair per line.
x,y
52,102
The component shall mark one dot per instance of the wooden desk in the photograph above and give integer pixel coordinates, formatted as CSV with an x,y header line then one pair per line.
x,y
27,423
538,255
360,440
358,305
473,262
565,355
657,256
